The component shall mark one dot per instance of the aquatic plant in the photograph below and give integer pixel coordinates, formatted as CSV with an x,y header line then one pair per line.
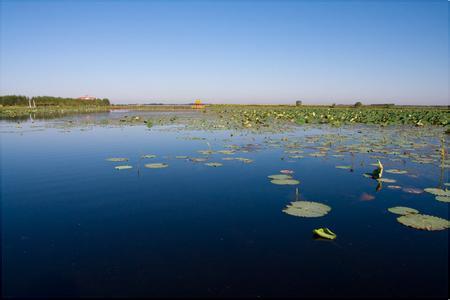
x,y
402,210
307,209
424,222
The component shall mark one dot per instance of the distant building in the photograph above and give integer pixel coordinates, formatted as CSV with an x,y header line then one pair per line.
x,y
198,104
86,97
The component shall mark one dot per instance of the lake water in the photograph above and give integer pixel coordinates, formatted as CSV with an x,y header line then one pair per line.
x,y
73,225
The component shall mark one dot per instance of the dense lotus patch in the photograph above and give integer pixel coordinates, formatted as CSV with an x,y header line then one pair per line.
x,y
307,209
424,222
156,166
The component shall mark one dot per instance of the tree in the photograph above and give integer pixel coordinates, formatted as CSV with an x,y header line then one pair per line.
x,y
358,104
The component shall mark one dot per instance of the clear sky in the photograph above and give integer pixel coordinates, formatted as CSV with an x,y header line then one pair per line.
x,y
227,51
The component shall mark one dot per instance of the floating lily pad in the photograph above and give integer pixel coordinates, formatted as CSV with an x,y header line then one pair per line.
x,y
214,164
206,152
181,157
387,180
197,159
438,192
307,209
285,181
280,176
117,159
124,167
343,167
443,199
227,152
394,187
424,222
412,190
148,156
228,158
156,166
396,171
402,210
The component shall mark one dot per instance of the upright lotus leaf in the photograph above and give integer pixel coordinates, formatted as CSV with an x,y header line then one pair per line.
x,y
280,176
156,166
438,192
307,209
424,222
124,167
396,171
402,210
148,156
117,159
214,164
443,199
285,181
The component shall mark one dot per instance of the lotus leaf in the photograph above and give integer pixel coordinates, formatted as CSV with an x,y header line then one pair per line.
x,y
424,222
156,166
214,164
124,167
285,181
402,210
117,159
307,209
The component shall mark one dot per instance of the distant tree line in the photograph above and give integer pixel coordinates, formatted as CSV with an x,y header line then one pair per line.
x,y
19,100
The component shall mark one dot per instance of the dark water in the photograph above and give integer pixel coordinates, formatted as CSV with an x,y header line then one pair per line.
x,y
74,226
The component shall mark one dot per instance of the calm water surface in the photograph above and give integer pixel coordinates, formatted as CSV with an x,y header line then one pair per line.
x,y
74,226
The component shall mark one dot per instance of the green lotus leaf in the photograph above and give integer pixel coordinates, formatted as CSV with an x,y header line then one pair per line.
x,y
443,199
124,167
396,171
387,180
156,166
307,209
438,192
424,222
181,157
214,164
117,159
197,159
402,210
280,176
148,156
343,167
285,181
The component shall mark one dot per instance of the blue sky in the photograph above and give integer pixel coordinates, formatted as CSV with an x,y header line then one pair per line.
x,y
227,51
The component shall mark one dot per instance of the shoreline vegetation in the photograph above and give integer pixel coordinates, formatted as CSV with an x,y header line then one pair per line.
x,y
247,115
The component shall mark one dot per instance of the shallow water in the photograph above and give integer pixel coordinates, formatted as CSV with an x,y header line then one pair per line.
x,y
74,226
